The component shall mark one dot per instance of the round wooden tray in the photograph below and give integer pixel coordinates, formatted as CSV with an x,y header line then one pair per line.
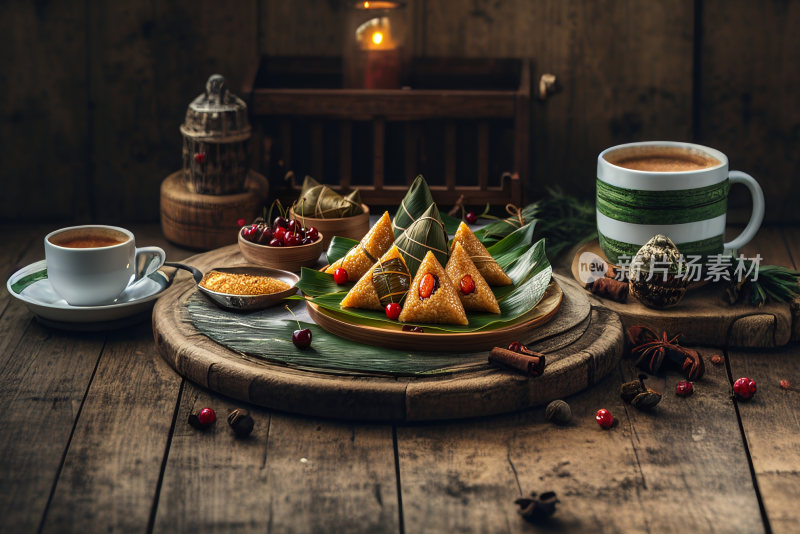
x,y
582,345
703,317
394,337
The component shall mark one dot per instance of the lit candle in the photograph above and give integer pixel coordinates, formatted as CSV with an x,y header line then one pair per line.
x,y
382,69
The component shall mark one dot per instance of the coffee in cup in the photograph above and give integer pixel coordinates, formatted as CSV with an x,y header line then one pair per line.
x,y
92,264
676,189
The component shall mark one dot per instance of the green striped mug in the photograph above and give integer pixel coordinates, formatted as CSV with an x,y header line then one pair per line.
x,y
671,188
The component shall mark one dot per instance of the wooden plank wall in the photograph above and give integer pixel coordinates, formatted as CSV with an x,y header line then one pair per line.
x,y
95,91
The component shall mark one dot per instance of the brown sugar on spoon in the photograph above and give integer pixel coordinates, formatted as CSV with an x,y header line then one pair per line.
x,y
242,284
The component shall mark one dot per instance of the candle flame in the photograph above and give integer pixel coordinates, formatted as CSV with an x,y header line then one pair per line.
x,y
366,5
377,38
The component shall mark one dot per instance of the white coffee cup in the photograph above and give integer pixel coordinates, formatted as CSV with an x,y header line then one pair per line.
x,y
91,265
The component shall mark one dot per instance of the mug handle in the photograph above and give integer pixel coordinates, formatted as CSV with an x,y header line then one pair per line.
x,y
738,177
148,260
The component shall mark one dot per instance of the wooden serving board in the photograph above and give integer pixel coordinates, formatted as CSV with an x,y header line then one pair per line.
x,y
582,345
703,317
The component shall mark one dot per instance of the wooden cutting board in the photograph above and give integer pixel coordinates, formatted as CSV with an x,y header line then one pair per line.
x,y
703,317
582,345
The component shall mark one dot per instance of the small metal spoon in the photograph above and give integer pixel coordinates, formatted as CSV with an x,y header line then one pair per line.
x,y
243,302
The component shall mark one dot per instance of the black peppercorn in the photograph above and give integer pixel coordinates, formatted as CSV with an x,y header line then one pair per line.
x,y
241,422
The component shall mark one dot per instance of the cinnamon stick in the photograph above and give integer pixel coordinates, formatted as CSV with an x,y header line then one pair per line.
x,y
532,364
610,288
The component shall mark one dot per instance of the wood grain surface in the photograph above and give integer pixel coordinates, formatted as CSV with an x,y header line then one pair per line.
x,y
96,92
703,316
93,436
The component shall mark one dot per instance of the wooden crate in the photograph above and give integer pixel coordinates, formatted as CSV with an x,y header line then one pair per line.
x,y
463,123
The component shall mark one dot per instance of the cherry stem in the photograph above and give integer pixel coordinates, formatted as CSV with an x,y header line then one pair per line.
x,y
295,317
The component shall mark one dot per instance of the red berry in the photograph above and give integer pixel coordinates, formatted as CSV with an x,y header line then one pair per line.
x,y
266,236
240,222
785,384
428,285
302,338
292,226
684,388
312,233
279,232
200,157
249,233
604,418
393,310
275,242
290,240
467,284
206,416
280,222
471,217
515,346
744,388
340,276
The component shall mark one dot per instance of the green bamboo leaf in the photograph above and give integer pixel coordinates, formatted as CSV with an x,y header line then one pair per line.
x,y
417,200
267,336
450,223
339,247
314,283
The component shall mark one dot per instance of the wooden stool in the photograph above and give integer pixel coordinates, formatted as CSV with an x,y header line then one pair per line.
x,y
206,222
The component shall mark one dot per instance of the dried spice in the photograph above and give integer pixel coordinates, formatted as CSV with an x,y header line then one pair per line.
x,y
529,362
610,288
717,359
538,506
558,412
241,422
653,351
639,395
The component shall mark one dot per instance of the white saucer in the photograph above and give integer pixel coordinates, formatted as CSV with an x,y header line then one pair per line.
x,y
31,286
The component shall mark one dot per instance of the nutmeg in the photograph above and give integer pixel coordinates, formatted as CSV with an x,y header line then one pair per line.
x,y
558,412
241,423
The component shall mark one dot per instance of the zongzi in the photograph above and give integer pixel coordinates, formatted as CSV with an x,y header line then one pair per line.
x,y
432,297
386,282
414,204
372,246
322,202
484,261
472,289
426,234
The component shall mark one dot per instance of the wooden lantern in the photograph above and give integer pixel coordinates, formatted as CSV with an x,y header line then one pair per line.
x,y
215,137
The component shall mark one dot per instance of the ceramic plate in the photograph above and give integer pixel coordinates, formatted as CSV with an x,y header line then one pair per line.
x,y
31,286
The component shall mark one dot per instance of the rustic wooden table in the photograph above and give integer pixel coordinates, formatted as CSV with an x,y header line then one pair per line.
x,y
93,437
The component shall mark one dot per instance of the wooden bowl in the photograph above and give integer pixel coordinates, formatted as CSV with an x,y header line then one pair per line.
x,y
354,227
285,258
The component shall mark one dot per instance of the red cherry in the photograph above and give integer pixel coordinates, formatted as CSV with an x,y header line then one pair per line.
x,y
340,276
471,217
393,310
292,226
785,384
249,233
312,233
302,338
266,236
279,232
275,242
744,388
515,346
240,222
280,222
684,388
604,418
306,241
200,157
291,240
206,416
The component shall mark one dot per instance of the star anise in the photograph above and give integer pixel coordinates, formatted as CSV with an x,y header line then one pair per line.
x,y
652,351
